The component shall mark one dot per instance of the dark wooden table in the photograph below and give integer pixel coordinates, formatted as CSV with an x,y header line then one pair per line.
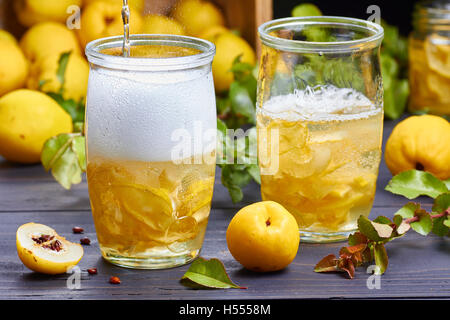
x,y
419,266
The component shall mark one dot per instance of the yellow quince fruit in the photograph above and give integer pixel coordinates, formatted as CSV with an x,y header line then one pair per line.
x,y
197,15
27,119
228,47
420,142
31,12
13,67
263,237
6,36
47,38
157,24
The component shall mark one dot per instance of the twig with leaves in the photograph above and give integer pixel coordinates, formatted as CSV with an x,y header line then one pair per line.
x,y
368,243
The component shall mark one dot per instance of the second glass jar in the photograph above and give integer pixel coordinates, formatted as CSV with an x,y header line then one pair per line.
x,y
320,121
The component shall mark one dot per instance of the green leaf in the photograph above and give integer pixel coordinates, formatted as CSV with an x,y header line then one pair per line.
x,y
373,230
447,222
447,183
241,102
74,109
233,178
414,183
424,225
408,210
253,170
62,65
441,203
208,274
64,155
381,258
441,226
79,148
382,220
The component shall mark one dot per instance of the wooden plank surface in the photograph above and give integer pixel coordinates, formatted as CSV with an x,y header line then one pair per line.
x,y
419,266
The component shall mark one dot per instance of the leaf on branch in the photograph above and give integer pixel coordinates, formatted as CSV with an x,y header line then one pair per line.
x,y
424,225
441,203
441,226
62,66
381,258
373,230
327,264
65,156
403,228
414,183
357,238
208,274
382,220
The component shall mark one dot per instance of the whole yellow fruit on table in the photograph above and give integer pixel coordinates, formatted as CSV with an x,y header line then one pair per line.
x,y
103,18
197,15
13,67
46,38
420,142
6,36
75,77
228,47
30,12
157,24
263,237
27,119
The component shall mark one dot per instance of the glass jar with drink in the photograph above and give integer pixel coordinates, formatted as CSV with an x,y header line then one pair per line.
x,y
320,121
151,139
429,58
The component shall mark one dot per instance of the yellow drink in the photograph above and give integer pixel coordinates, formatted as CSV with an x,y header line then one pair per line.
x,y
149,209
325,166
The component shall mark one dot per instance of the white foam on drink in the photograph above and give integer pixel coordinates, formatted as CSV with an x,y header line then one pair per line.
x,y
132,115
324,103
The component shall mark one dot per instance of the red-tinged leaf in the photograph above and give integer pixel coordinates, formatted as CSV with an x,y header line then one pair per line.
x,y
347,266
208,274
367,255
357,248
327,264
357,238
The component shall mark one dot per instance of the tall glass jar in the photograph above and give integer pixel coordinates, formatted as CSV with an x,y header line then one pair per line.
x,y
151,137
320,121
429,58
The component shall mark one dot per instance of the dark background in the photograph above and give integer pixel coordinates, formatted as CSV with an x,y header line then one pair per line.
x,y
396,12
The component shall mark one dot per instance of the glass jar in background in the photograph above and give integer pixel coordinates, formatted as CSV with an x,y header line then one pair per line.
x,y
320,121
151,140
429,58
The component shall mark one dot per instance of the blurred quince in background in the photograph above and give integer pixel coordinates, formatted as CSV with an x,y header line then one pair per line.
x,y
30,12
13,64
27,119
46,38
103,18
